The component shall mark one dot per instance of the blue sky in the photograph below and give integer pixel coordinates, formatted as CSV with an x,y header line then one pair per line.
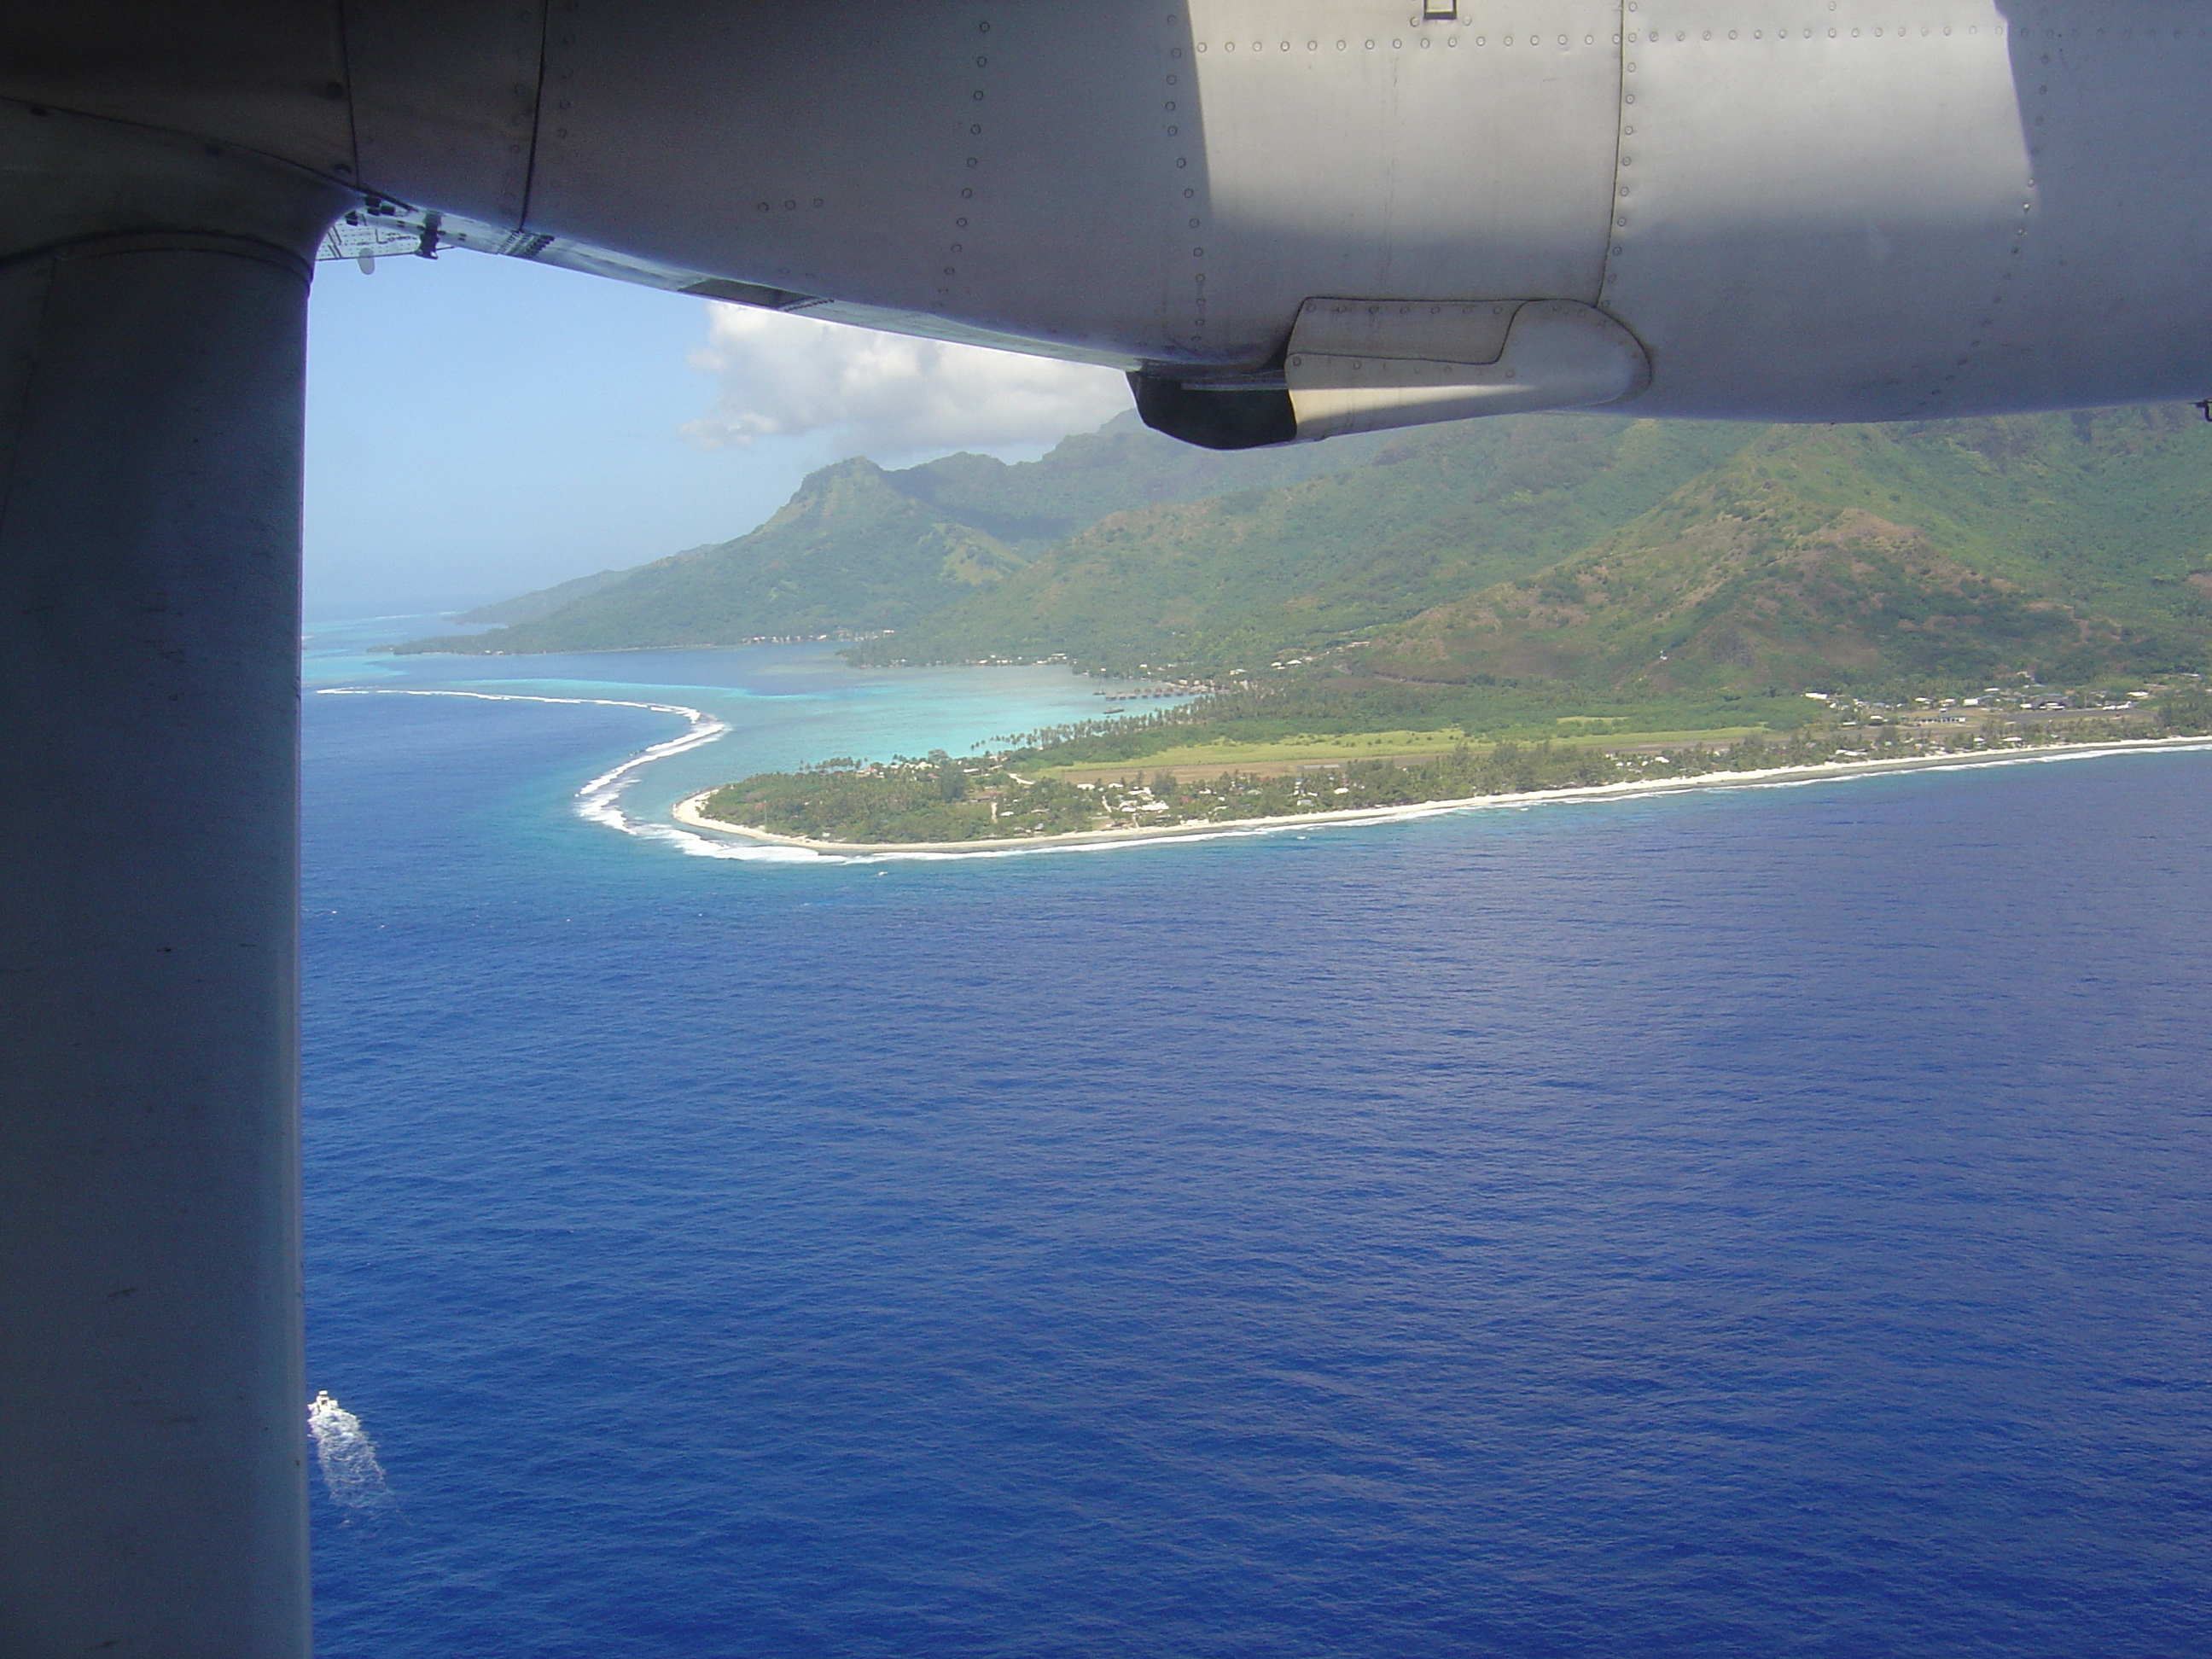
x,y
478,427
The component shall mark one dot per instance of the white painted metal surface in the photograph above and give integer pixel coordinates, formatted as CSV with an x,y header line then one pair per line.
x,y
1353,149
1866,209
1810,210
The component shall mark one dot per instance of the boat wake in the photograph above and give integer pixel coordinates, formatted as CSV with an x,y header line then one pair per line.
x,y
351,1475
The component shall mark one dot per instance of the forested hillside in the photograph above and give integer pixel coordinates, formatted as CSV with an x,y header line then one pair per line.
x,y
1241,579
1640,559
858,548
2061,547
1618,558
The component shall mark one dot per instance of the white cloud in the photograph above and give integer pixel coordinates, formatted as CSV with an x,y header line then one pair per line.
x,y
888,394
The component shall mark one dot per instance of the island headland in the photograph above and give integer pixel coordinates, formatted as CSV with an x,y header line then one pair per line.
x,y
1500,607
995,802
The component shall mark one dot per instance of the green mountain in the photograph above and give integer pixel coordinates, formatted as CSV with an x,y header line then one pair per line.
x,y
2064,548
860,548
1243,579
528,607
1586,555
848,551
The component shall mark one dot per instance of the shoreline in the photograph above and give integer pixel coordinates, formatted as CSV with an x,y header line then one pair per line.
x,y
686,812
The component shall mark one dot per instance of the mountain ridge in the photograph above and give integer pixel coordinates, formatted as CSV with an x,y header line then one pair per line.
x,y
1627,558
858,548
1782,567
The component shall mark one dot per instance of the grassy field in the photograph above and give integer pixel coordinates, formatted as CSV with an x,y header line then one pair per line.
x,y
1263,759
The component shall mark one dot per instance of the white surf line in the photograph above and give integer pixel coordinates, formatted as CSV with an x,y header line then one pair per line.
x,y
599,801
1630,789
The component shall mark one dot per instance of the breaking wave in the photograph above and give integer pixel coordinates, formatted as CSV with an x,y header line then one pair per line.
x,y
600,800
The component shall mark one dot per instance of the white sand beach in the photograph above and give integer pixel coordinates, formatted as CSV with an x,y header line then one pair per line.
x,y
686,812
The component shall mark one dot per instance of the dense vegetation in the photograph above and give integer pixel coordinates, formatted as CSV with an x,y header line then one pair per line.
x,y
1009,795
1322,705
529,607
2062,548
858,549
1502,582
1552,557
1246,580
937,798
1635,559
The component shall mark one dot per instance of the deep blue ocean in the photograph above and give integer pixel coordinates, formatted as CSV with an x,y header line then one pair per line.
x,y
1765,1221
